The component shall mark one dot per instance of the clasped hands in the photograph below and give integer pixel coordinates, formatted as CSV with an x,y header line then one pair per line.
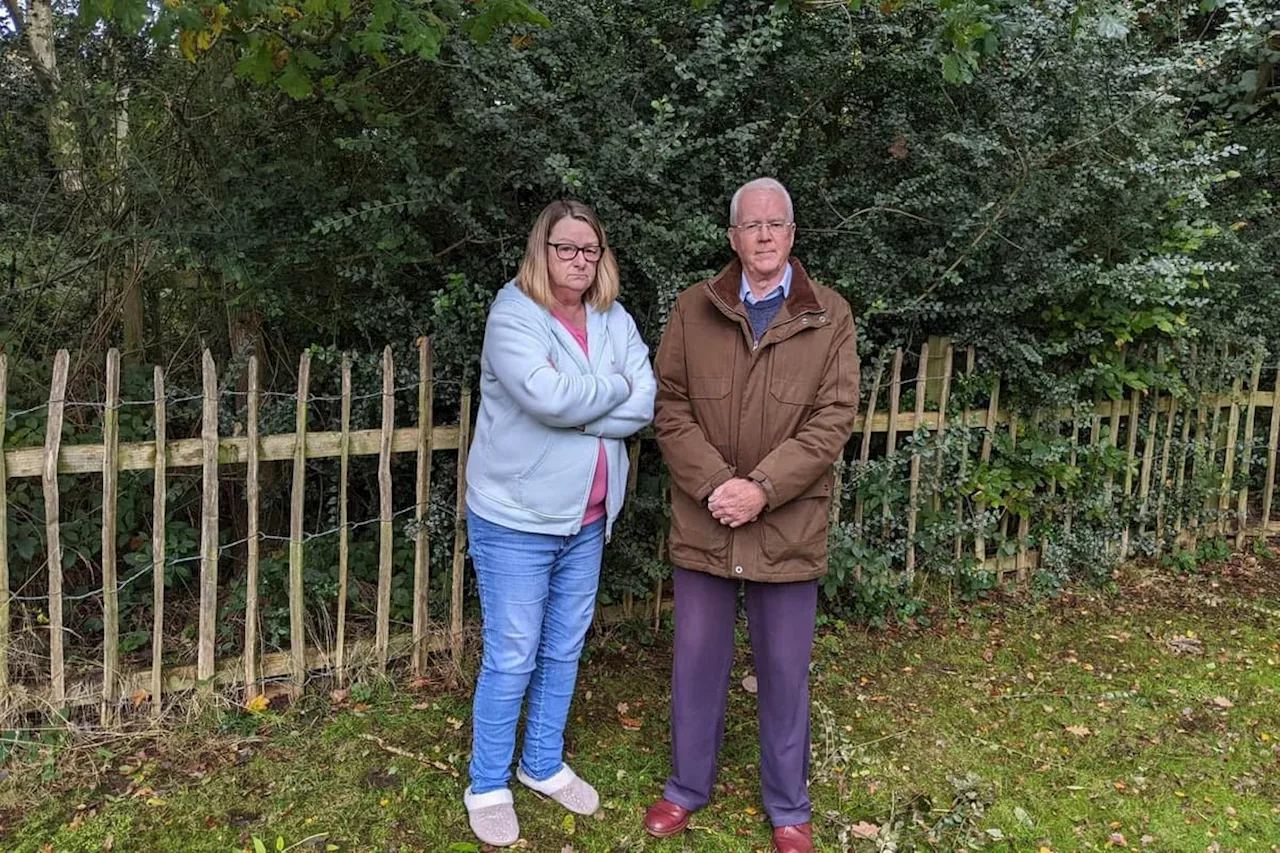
x,y
737,502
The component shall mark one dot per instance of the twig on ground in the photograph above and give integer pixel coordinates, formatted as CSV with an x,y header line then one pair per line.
x,y
404,753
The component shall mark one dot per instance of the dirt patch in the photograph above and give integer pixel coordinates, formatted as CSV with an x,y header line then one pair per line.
x,y
382,781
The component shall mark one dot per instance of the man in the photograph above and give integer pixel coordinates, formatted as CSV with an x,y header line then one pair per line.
x,y
757,394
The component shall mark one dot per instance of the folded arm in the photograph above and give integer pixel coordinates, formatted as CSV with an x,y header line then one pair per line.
x,y
517,353
634,413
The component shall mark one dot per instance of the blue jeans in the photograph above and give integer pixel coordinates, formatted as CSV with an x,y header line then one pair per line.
x,y
537,598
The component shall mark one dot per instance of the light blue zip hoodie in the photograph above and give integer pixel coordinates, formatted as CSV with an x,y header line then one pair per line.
x,y
544,407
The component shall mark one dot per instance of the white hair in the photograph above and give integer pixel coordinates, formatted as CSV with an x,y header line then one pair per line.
x,y
767,184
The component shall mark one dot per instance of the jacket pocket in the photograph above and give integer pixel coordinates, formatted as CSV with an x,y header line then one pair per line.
x,y
798,529
709,387
796,390
556,483
697,539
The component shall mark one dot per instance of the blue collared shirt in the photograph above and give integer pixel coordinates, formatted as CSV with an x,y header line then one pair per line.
x,y
784,286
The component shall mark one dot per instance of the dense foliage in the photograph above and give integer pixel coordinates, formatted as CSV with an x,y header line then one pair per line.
x,y
1081,191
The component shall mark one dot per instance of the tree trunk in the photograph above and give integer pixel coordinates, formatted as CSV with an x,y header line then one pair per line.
x,y
64,143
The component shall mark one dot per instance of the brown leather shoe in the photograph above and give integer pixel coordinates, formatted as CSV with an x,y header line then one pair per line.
x,y
664,819
793,839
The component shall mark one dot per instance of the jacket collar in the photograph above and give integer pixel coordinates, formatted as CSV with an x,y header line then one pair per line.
x,y
728,283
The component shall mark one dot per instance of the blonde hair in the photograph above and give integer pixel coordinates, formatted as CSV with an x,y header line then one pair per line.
x,y
535,279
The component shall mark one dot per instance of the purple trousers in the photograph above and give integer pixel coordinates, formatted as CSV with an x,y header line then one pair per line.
x,y
780,617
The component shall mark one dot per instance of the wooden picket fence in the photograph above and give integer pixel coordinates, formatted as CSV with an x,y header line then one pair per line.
x,y
209,452
1212,438
933,383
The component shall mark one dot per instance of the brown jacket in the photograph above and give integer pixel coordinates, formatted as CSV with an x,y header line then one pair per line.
x,y
778,412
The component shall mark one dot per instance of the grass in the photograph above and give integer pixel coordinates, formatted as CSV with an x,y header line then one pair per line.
x,y
1071,724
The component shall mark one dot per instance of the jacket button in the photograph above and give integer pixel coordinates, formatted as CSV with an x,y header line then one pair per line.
x,y
737,570
805,321
822,319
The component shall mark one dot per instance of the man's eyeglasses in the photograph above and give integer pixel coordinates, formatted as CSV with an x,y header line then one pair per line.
x,y
753,228
568,251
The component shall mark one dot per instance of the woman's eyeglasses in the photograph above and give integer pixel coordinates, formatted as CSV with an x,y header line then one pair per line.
x,y
568,251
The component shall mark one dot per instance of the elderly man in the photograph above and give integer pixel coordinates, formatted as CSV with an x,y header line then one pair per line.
x,y
757,394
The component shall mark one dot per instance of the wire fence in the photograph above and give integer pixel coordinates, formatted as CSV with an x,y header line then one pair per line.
x,y
933,444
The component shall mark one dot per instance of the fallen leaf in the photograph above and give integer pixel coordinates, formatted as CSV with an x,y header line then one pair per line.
x,y
1223,702
1187,645
750,684
629,723
139,698
1078,730
864,830
1117,839
257,704
898,150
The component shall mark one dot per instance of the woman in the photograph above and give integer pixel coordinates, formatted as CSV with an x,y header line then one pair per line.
x,y
565,377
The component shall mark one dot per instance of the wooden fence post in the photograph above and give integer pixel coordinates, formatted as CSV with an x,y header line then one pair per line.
x,y
297,600
385,523
1071,461
1131,454
422,509
891,438
4,542
460,528
944,399
958,545
913,496
159,502
208,526
253,499
344,524
110,581
1165,450
864,455
1273,441
979,536
52,444
1229,464
1242,505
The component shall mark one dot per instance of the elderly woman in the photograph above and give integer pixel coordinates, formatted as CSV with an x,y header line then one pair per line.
x,y
565,377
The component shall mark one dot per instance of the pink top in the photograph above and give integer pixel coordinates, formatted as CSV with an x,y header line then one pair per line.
x,y
600,485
